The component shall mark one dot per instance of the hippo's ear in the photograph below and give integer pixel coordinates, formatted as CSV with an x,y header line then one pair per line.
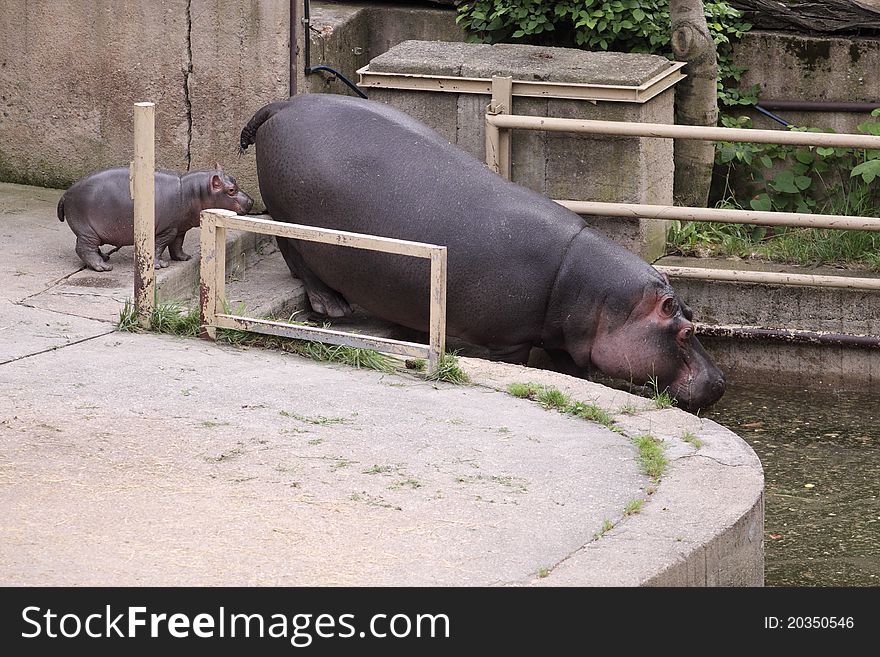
x,y
216,183
218,167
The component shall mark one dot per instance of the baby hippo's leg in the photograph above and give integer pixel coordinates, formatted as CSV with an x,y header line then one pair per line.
x,y
89,251
176,248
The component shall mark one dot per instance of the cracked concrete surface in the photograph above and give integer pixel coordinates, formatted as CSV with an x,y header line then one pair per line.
x,y
136,459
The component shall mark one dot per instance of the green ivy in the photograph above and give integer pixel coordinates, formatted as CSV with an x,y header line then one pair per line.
x,y
619,25
802,178
805,179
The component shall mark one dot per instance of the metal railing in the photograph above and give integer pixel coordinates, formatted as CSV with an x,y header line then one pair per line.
x,y
214,224
499,121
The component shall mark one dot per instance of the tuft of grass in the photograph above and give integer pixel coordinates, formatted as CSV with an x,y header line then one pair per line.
x,y
689,437
651,456
550,397
628,409
553,398
591,412
449,371
662,398
543,572
632,507
524,390
377,469
607,525
317,419
127,318
416,364
167,317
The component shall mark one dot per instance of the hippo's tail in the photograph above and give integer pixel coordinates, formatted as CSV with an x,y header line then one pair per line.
x,y
61,208
249,133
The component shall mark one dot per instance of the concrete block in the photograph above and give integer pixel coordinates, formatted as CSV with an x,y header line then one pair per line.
x,y
436,108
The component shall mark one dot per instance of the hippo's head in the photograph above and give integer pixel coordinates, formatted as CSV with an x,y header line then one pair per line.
x,y
655,343
647,337
225,194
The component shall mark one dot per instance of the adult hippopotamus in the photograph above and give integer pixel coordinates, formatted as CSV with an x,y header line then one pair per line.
x,y
99,210
523,271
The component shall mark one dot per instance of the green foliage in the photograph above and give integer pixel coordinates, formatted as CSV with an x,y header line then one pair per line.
x,y
619,25
802,179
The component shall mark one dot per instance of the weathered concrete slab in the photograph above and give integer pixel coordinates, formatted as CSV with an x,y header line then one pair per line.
x,y
135,459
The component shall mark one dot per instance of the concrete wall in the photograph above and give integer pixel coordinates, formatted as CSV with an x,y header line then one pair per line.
x,y
70,72
795,67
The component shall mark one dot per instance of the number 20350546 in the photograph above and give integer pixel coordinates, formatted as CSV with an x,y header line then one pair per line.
x,y
808,622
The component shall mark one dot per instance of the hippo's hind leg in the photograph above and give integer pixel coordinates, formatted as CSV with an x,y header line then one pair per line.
x,y
88,248
175,248
323,299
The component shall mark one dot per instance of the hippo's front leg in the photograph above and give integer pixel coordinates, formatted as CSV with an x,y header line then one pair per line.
x,y
175,249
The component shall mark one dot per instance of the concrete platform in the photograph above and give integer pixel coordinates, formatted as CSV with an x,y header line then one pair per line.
x,y
142,459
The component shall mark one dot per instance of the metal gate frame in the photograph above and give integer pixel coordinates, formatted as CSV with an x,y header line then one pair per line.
x,y
212,280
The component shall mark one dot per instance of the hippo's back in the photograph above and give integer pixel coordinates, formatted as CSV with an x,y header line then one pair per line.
x,y
351,164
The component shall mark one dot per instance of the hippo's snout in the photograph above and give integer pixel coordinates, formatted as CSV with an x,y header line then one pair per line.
x,y
245,202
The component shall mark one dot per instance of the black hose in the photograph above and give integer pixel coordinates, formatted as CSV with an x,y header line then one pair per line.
x,y
351,85
307,55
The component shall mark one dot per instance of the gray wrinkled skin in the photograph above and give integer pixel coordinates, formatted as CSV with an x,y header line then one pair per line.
x,y
522,270
99,210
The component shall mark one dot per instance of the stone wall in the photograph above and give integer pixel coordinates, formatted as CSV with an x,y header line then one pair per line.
x,y
802,68
70,73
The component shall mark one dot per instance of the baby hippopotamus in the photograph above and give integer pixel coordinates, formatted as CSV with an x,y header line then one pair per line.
x,y
99,210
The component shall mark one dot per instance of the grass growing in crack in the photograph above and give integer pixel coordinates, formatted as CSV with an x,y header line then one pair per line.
x,y
524,390
651,456
632,507
316,419
378,469
628,409
543,572
550,397
167,317
591,412
690,437
553,398
449,371
662,398
607,525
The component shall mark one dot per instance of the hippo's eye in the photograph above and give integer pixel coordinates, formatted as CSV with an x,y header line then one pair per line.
x,y
231,191
669,307
686,332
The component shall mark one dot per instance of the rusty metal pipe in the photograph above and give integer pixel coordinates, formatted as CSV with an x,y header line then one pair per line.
x,y
795,336
818,106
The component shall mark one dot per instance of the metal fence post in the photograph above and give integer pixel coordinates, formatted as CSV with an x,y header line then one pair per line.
x,y
143,193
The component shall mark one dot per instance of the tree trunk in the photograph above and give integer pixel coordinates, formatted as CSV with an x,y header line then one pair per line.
x,y
696,100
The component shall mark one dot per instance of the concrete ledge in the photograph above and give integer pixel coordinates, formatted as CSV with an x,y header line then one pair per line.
x,y
704,524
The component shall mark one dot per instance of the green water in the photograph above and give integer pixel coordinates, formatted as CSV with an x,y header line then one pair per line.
x,y
821,458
